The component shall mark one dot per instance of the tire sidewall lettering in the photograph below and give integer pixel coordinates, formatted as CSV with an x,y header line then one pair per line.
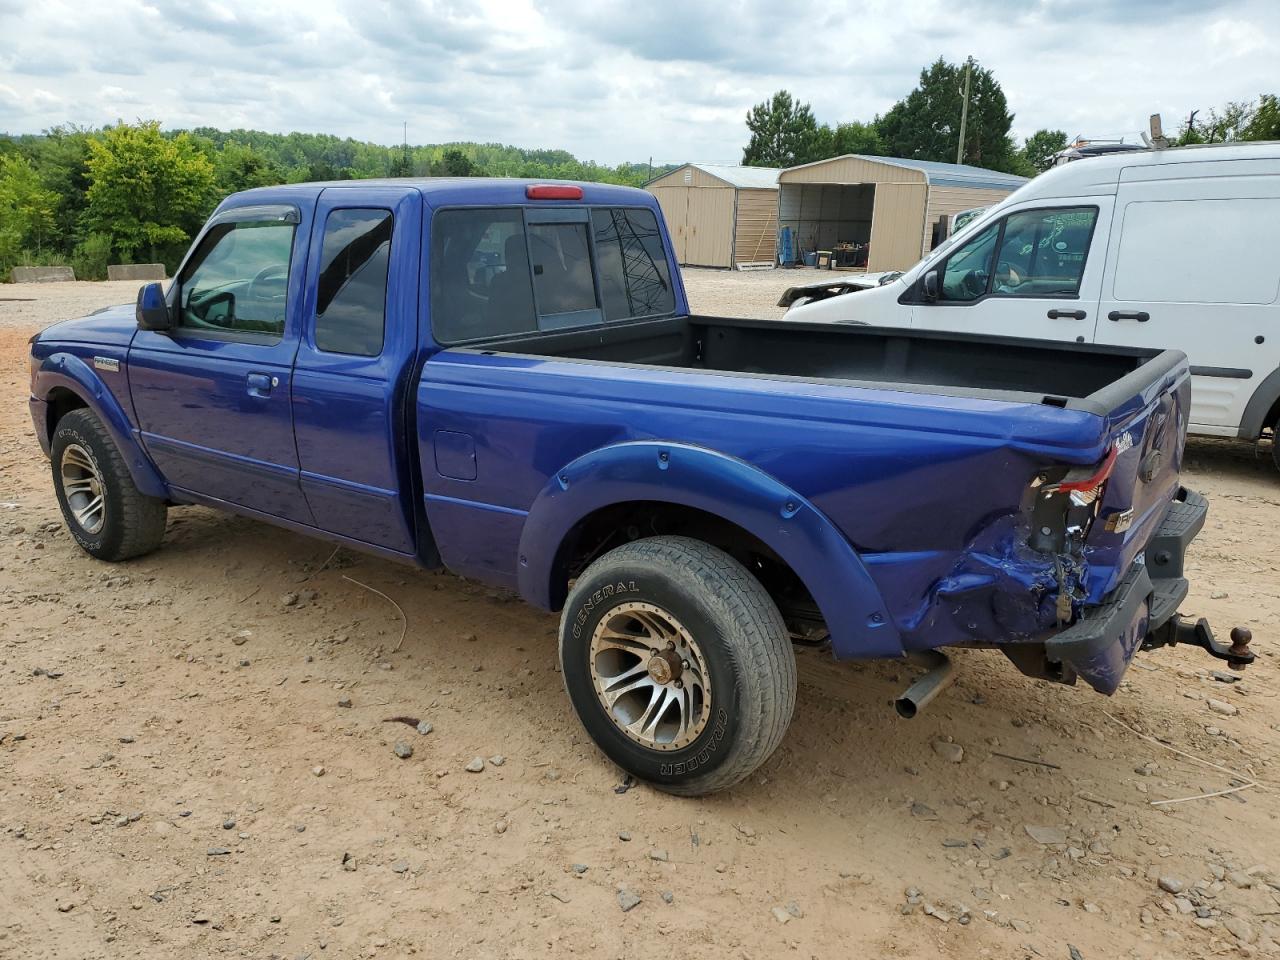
x,y
608,591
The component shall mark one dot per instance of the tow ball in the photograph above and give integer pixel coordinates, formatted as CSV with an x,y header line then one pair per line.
x,y
1200,634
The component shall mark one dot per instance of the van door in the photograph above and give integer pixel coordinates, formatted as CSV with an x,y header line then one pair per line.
x,y
1036,272
1192,265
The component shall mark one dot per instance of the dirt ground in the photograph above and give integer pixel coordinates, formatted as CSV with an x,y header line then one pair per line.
x,y
192,744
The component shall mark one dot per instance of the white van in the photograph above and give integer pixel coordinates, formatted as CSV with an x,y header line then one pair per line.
x,y
1171,248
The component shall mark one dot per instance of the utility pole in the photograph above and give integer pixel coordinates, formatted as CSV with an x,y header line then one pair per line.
x,y
964,109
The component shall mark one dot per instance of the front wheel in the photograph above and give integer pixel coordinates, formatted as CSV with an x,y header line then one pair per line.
x,y
678,664
107,515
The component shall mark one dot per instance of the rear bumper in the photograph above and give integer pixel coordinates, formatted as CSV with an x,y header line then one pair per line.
x,y
1099,646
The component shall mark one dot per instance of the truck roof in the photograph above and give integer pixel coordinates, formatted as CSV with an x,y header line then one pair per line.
x,y
1093,175
443,191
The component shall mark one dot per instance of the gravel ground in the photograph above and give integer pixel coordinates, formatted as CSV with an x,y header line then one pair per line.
x,y
198,758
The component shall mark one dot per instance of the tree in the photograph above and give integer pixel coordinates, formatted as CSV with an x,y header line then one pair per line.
x,y
1041,146
147,191
26,210
401,163
454,163
783,133
845,138
239,166
925,125
61,158
1265,122
1238,120
1222,127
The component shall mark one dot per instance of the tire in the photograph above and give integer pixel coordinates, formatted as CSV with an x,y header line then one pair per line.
x,y
727,670
1275,443
87,464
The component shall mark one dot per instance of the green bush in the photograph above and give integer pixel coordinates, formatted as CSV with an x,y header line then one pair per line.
x,y
41,258
91,256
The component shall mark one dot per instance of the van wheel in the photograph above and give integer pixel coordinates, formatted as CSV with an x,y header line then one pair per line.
x,y
678,664
107,515
1275,443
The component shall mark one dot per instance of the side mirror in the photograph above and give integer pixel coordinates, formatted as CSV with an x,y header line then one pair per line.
x,y
152,311
930,285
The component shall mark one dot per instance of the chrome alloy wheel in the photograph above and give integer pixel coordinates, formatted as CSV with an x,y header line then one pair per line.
x,y
650,676
83,489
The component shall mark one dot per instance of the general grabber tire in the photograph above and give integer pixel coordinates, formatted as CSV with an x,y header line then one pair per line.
x,y
678,664
105,513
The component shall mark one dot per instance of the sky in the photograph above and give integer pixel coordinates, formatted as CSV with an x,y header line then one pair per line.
x,y
613,80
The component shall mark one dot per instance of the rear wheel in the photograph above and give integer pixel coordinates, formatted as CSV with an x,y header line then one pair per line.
x,y
678,664
107,515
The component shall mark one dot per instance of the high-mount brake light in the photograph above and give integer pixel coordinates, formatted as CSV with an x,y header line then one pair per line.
x,y
552,191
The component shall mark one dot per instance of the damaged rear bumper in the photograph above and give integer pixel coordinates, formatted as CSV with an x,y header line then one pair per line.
x,y
1142,611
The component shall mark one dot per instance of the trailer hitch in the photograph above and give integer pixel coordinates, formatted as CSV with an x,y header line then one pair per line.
x,y
1200,634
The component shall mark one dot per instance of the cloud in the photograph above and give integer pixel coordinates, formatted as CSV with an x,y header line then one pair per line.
x,y
613,80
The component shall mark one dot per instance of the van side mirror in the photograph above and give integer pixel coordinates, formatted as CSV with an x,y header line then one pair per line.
x,y
930,285
152,312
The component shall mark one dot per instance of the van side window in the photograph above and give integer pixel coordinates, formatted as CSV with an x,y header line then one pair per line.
x,y
481,284
634,279
969,268
1042,252
351,295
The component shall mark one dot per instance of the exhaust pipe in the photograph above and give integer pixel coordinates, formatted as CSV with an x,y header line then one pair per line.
x,y
917,696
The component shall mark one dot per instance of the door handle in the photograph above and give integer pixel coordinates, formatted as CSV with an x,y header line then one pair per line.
x,y
1067,315
1140,315
260,384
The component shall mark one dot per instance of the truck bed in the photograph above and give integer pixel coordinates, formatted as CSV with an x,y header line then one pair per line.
x,y
1078,376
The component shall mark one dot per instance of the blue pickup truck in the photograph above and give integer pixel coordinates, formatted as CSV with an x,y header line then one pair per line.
x,y
504,378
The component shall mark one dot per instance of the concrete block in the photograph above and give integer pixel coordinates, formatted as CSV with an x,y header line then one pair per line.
x,y
135,271
42,274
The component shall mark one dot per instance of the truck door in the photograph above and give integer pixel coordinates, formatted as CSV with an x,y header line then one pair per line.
x,y
1033,273
357,351
212,394
1192,265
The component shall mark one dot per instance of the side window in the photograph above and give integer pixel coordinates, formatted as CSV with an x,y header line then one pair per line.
x,y
1042,252
634,278
969,268
480,279
562,278
351,294
238,280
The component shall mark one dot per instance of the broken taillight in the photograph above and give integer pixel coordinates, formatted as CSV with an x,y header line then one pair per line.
x,y
1085,488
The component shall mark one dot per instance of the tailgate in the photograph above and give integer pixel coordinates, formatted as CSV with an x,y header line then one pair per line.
x,y
1147,426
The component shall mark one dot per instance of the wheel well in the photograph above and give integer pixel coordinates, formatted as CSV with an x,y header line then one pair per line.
x,y
1272,421
61,401
611,526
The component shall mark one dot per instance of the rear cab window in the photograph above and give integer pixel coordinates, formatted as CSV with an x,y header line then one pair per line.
x,y
505,270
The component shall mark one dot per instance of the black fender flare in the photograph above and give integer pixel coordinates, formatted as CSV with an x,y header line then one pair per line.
x,y
1265,396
